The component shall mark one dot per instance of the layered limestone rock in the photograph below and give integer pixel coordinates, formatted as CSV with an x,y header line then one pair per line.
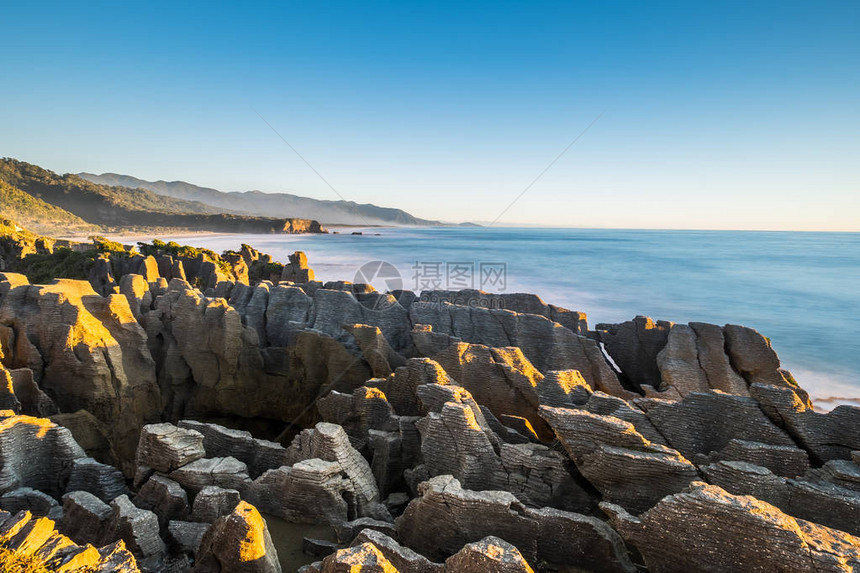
x,y
624,466
329,443
524,303
634,346
213,502
674,360
401,558
297,269
830,436
138,529
813,497
165,498
390,442
219,441
86,352
786,461
36,537
90,433
488,554
705,422
446,517
104,481
326,481
375,349
84,517
696,530
228,473
238,542
504,380
365,558
32,500
210,361
546,344
35,453
455,443
165,447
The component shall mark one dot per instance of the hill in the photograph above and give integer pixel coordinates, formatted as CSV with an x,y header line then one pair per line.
x,y
269,204
123,207
38,215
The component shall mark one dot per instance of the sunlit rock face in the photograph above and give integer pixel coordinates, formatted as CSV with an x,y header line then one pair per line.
x,y
493,435
38,539
697,530
86,352
238,542
544,343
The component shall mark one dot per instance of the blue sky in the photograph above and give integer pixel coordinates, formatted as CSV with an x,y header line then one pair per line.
x,y
741,115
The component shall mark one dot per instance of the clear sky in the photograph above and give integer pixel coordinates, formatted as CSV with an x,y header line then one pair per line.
x,y
722,114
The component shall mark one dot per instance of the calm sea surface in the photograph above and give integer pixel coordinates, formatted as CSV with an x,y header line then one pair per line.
x,y
800,289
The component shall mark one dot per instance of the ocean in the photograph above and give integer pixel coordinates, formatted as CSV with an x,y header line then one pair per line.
x,y
802,290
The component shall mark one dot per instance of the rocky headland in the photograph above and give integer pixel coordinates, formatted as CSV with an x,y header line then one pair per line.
x,y
155,408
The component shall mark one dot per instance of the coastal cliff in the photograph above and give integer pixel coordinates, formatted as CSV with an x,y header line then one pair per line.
x,y
166,401
50,202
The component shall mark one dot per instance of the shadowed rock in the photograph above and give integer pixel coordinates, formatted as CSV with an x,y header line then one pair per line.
x,y
104,481
138,528
164,447
619,462
258,455
227,472
165,498
786,461
830,436
704,422
445,517
84,517
213,502
634,346
36,453
32,500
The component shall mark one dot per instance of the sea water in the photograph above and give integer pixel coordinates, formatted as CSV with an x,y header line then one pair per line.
x,y
802,290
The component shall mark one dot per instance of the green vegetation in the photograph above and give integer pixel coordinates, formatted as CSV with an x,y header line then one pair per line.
x,y
35,257
63,263
261,271
59,204
73,192
11,229
15,562
107,246
37,214
177,251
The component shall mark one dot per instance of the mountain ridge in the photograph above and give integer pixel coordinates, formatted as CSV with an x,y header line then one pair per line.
x,y
259,203
123,207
